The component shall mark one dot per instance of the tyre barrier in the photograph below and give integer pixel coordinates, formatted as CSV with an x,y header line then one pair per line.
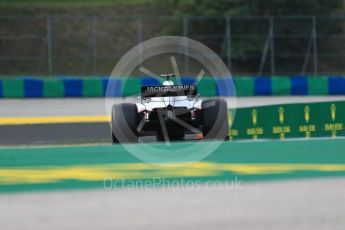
x,y
32,87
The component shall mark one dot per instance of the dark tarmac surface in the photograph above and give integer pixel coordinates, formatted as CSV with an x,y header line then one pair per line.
x,y
77,133
72,133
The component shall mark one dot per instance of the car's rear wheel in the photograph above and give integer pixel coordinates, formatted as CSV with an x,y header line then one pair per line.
x,y
215,124
124,122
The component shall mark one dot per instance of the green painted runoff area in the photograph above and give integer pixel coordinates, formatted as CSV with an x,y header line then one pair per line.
x,y
246,161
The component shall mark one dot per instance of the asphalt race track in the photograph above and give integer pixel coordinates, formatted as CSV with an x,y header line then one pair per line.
x,y
37,134
53,176
284,205
96,106
90,131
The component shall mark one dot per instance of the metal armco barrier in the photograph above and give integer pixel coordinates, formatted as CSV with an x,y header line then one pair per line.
x,y
307,120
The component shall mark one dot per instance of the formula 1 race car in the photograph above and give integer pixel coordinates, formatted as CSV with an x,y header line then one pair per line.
x,y
169,112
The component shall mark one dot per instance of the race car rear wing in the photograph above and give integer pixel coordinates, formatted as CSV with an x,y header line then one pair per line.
x,y
169,90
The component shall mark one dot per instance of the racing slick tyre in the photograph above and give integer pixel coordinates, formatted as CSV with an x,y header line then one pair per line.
x,y
124,121
215,124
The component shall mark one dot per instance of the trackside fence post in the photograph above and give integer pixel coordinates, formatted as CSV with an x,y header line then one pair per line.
x,y
314,34
185,34
49,45
228,41
273,67
140,37
94,44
